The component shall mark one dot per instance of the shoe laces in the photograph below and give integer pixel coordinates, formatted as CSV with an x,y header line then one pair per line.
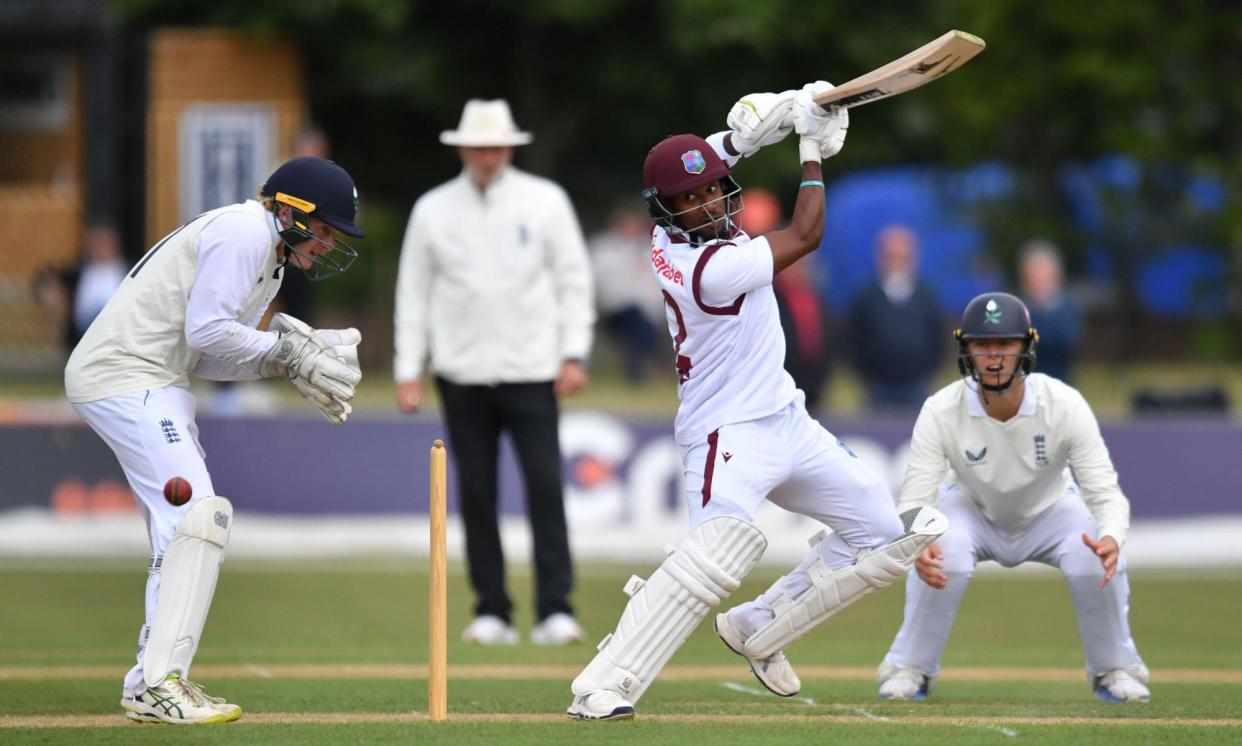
x,y
200,693
188,691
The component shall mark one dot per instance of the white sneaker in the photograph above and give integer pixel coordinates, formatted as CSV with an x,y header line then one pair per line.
x,y
902,684
774,672
557,629
488,629
231,711
174,702
1122,686
601,704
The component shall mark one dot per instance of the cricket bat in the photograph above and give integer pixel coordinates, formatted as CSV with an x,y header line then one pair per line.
x,y
918,68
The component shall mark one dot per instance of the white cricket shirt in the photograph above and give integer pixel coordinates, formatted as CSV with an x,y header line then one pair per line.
x,y
190,305
1015,470
494,287
726,330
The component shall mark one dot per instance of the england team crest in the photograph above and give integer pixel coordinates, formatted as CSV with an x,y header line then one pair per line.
x,y
693,161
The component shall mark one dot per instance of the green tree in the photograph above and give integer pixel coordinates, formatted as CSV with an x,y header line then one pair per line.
x,y
601,81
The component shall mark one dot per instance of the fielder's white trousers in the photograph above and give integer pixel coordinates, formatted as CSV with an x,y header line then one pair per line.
x,y
1052,538
792,461
155,438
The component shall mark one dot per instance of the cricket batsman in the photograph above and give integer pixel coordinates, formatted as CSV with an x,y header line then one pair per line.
x,y
190,306
994,451
744,432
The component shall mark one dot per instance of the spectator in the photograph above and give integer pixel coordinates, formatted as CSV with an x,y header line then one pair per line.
x,y
627,297
896,326
804,319
1041,276
311,140
103,269
494,289
81,293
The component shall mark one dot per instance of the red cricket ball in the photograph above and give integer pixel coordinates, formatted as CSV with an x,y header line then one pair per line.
x,y
177,491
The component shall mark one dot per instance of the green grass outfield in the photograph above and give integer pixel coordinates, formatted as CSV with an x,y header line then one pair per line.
x,y
336,652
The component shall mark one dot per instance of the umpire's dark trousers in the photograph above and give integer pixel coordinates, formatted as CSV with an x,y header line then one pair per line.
x,y
475,416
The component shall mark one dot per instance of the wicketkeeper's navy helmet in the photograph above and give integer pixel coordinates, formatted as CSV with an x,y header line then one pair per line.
x,y
317,187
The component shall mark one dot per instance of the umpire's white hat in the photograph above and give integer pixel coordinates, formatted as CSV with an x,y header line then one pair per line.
x,y
486,124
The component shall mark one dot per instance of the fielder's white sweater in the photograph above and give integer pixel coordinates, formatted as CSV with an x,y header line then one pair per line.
x,y
1015,470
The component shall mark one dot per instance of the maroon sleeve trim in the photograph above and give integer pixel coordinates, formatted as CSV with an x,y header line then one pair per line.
x,y
731,310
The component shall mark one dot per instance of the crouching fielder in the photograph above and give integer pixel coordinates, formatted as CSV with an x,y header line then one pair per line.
x,y
742,426
190,307
1009,439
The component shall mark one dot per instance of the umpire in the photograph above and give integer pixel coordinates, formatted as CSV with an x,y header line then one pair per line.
x,y
494,290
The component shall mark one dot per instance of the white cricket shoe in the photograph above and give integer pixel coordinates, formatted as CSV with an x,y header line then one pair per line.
x,y
487,629
231,711
902,684
174,702
601,704
557,629
1122,686
774,672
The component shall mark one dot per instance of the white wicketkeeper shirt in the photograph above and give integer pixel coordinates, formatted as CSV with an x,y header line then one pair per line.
x,y
1015,470
190,305
493,287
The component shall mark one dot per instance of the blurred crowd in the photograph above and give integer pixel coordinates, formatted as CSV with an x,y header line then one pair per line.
x,y
894,334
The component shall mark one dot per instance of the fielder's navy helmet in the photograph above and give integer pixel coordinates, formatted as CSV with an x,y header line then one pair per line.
x,y
995,316
318,187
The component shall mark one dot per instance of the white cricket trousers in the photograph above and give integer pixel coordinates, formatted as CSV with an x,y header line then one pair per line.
x,y
1053,538
154,436
791,460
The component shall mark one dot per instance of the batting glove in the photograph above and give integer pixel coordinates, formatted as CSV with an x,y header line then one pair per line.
x,y
760,119
822,131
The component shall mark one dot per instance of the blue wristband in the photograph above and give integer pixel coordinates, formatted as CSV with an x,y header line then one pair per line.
x,y
812,182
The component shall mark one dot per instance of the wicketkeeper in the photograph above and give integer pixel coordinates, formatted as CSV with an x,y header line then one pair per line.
x,y
190,307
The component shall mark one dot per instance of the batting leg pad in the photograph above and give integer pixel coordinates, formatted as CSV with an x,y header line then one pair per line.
x,y
663,610
190,569
833,590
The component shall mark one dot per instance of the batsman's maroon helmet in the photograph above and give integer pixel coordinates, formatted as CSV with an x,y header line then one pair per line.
x,y
680,164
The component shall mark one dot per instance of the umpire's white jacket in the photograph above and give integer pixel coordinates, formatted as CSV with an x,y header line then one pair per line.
x,y
493,287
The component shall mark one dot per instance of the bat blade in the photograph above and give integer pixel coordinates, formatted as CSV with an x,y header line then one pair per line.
x,y
918,68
